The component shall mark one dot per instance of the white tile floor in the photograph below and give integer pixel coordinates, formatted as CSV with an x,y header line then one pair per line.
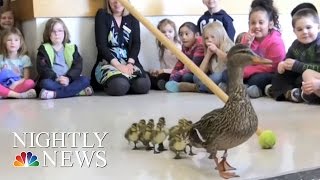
x,y
297,127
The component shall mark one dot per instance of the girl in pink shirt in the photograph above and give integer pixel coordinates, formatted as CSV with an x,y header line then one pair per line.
x,y
264,39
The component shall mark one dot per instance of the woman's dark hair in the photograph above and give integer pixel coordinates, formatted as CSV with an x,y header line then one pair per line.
x,y
267,6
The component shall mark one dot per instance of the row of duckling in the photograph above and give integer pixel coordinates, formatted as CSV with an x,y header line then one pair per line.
x,y
147,133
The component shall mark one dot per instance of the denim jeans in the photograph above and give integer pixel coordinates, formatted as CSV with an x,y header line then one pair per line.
x,y
72,89
215,77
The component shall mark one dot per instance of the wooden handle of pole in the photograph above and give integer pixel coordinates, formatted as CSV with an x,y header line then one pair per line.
x,y
182,57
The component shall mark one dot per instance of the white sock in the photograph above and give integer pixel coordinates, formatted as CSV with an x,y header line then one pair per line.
x,y
31,93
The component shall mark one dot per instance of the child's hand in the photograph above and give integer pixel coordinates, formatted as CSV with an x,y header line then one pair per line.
x,y
311,86
248,38
63,80
288,64
281,68
212,48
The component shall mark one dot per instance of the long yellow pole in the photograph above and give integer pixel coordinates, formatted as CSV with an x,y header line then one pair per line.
x,y
182,57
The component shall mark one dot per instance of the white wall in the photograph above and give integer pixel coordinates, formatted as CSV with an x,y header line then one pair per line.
x,y
82,34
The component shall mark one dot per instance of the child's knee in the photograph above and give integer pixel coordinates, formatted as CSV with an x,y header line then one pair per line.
x,y
29,83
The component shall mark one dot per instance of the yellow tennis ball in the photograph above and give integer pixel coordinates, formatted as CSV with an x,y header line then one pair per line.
x,y
267,139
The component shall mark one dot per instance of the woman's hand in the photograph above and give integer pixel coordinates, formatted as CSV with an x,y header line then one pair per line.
x,y
125,69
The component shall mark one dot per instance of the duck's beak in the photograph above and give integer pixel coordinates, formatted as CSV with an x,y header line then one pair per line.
x,y
259,60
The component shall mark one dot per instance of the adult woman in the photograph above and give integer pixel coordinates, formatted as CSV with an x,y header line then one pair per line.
x,y
118,70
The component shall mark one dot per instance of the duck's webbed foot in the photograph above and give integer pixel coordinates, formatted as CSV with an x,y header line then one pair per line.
x,y
224,163
222,169
190,152
177,156
149,148
155,149
135,147
226,166
161,147
227,175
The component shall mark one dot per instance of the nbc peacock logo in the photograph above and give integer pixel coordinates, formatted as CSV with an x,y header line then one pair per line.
x,y
26,160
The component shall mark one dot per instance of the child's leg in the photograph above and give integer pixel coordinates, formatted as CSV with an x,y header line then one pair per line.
x,y
282,83
73,88
202,87
187,78
4,91
312,76
162,79
154,81
24,86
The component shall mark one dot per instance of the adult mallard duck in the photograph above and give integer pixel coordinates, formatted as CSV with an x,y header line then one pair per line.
x,y
236,122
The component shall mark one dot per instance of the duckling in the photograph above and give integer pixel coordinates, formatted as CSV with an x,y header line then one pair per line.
x,y
178,144
236,122
146,136
162,120
187,125
162,123
158,136
177,129
132,135
142,125
151,123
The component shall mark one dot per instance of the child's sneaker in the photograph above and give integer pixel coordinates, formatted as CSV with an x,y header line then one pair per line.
x,y
46,94
268,90
310,98
31,93
172,86
161,84
254,92
88,91
294,95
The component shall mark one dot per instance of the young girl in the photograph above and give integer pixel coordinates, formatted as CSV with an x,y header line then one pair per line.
x,y
265,40
6,17
303,54
59,64
192,47
167,60
216,43
15,67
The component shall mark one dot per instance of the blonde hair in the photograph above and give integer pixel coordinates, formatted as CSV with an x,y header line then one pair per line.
x,y
108,8
217,30
6,33
162,23
49,28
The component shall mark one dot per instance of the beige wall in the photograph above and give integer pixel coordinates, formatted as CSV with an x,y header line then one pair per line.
x,y
28,9
82,28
